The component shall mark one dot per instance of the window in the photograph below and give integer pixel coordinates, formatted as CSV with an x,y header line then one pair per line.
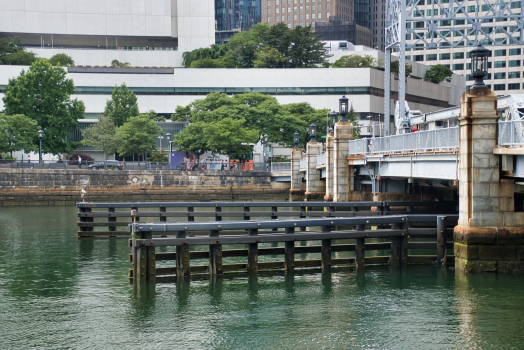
x,y
319,16
295,17
500,64
307,8
499,75
283,18
515,5
289,18
289,9
319,7
458,55
514,86
458,66
307,15
277,10
269,19
268,2
444,56
513,52
514,63
327,15
289,25
499,87
460,22
313,16
408,36
499,53
301,16
301,8
327,7
431,57
268,11
418,58
283,10
307,24
435,12
276,19
419,25
445,23
471,8
277,2
513,75
295,9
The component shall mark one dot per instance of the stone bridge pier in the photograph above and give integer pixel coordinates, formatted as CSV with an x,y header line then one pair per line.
x,y
490,234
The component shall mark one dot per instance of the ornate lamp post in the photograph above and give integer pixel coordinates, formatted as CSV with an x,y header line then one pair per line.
x,y
333,119
479,66
296,139
343,108
168,139
313,132
264,141
160,138
40,138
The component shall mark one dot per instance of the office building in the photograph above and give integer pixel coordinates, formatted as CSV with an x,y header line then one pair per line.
x,y
237,15
336,29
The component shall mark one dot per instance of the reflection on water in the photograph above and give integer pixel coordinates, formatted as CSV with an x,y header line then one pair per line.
x,y
60,292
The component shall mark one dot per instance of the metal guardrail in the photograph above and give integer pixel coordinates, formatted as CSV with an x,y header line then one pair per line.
x,y
420,141
321,159
303,163
280,166
511,133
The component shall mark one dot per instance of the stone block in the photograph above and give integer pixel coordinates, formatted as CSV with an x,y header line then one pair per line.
x,y
511,267
480,189
466,251
478,266
520,252
484,131
513,219
507,204
483,146
497,253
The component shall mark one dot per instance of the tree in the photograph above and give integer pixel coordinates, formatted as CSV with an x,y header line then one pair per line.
x,y
355,61
122,105
154,116
44,94
229,136
12,52
307,50
192,140
61,59
207,63
118,64
182,114
138,135
438,73
353,120
101,136
268,57
17,132
394,67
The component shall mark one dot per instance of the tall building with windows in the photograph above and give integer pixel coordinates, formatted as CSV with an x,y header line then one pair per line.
x,y
506,72
237,14
377,22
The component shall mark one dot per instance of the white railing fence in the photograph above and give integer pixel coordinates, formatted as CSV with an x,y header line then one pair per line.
x,y
511,133
321,159
281,166
303,163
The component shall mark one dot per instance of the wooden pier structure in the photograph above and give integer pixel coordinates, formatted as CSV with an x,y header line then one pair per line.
x,y
328,231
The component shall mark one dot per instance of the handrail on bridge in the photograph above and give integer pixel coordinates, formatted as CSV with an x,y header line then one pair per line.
x,y
511,133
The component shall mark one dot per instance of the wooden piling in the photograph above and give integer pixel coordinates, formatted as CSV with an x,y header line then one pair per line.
x,y
163,218
218,210
395,247
289,252
190,211
326,250
441,240
360,249
252,260
182,258
111,219
215,254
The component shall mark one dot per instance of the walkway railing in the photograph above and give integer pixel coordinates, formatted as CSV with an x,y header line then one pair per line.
x,y
511,133
259,234
420,141
280,166
303,163
321,159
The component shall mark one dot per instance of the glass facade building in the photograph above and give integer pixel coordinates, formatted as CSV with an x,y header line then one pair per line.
x,y
237,14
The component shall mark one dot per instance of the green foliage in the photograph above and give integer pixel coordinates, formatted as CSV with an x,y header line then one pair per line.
x,y
438,73
43,94
229,136
357,61
154,116
118,64
263,46
192,139
158,156
12,52
17,133
182,114
122,105
394,66
101,136
61,59
137,135
352,117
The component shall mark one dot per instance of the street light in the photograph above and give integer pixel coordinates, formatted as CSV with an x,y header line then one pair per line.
x,y
313,132
296,139
40,138
160,138
264,142
168,138
479,66
343,108
334,119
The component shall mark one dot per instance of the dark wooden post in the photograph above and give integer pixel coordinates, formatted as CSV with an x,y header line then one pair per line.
x,y
145,261
404,246
85,219
163,218
111,218
252,259
302,216
360,249
326,250
274,214
189,216
441,240
246,213
182,258
289,252
380,209
395,247
218,210
137,218
215,254
354,210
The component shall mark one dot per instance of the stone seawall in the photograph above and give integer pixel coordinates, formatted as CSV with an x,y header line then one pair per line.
x,y
63,187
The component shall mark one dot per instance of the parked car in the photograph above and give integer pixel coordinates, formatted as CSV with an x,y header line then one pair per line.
x,y
111,164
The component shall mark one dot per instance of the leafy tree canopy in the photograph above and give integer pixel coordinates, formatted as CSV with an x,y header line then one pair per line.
x,y
438,73
43,94
18,133
12,52
102,136
394,66
118,64
61,59
263,46
357,61
138,135
122,105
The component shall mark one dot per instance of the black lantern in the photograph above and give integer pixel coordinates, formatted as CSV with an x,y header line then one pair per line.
x,y
40,134
313,132
40,138
343,109
168,137
333,119
295,139
265,138
479,66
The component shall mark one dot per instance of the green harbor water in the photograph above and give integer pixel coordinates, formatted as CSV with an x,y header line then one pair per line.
x,y
58,292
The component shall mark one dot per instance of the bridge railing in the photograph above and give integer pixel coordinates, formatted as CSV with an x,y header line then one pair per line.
x,y
280,166
303,163
321,159
511,133
420,141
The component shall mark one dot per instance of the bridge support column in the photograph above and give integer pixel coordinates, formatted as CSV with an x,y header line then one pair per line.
x,y
342,176
329,167
314,187
489,236
296,190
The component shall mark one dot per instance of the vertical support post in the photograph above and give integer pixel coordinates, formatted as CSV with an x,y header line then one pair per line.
x,y
252,259
111,218
137,218
354,210
215,255
387,91
302,216
289,252
189,216
402,62
218,210
274,211
404,246
360,249
246,213
163,218
441,240
182,258
395,247
326,250
145,262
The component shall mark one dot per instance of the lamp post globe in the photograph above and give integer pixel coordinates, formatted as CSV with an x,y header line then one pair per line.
x,y
479,66
334,119
296,139
313,132
343,108
40,138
